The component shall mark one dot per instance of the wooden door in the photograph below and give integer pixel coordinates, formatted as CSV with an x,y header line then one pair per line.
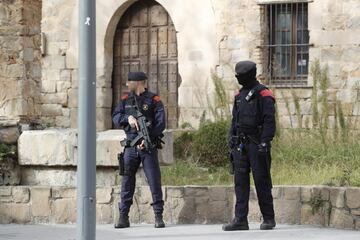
x,y
145,40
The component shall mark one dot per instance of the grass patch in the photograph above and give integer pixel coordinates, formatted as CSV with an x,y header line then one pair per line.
x,y
298,157
187,173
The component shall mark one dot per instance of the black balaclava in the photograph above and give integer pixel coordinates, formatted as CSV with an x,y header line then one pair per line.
x,y
246,73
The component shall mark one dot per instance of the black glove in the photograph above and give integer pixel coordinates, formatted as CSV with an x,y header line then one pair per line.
x,y
264,148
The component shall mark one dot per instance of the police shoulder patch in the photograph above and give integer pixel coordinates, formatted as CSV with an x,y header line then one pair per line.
x,y
156,98
267,93
124,97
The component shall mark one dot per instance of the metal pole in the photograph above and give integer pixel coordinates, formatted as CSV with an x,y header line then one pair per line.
x,y
86,168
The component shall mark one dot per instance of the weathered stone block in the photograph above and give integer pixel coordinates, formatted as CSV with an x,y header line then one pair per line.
x,y
104,97
5,191
40,205
20,213
103,119
62,121
166,154
21,194
185,212
103,194
48,86
277,192
65,76
73,97
355,212
287,211
51,110
337,197
104,213
254,211
46,177
170,206
253,194
9,135
63,192
353,197
47,147
108,146
311,217
5,213
323,191
291,193
62,86
306,192
196,191
340,218
201,209
64,210
216,212
28,54
54,98
217,193
174,192
146,213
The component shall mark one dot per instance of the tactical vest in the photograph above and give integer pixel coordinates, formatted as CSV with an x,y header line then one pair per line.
x,y
145,105
249,110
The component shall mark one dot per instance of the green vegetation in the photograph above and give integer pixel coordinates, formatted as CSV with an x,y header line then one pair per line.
x,y
326,154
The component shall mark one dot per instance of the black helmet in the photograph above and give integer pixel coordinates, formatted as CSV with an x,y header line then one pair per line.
x,y
246,73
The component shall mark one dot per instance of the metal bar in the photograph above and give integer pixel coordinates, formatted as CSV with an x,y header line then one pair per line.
x,y
276,2
286,45
271,41
86,169
280,58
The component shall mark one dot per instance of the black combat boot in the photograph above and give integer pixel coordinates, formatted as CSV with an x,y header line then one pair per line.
x,y
268,224
123,221
159,222
236,225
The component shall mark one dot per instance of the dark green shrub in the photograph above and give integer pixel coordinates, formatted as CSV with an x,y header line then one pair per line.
x,y
183,144
210,143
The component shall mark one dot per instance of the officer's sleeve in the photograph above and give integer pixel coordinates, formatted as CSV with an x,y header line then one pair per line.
x,y
233,121
119,117
158,126
268,115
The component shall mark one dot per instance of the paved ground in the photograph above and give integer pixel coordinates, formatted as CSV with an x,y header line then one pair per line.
x,y
174,232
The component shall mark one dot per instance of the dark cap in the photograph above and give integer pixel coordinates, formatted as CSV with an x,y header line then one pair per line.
x,y
245,67
137,76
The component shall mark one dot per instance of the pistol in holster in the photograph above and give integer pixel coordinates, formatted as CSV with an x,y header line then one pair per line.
x,y
121,164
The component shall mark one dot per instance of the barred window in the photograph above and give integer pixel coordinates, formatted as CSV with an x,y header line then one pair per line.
x,y
288,44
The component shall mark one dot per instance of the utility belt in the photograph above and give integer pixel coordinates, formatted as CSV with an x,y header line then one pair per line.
x,y
245,139
132,143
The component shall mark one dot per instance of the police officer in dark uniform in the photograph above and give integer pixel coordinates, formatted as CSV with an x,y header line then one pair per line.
x,y
152,108
252,129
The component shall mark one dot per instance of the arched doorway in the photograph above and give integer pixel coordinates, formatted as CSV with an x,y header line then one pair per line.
x,y
145,40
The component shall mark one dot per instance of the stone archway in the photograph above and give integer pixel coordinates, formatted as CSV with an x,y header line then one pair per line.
x,y
145,40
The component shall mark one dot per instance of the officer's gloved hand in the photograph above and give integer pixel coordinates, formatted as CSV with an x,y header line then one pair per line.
x,y
133,122
264,148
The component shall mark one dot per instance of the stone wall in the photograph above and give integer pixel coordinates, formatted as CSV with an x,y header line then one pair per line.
x,y
222,32
20,69
49,157
310,205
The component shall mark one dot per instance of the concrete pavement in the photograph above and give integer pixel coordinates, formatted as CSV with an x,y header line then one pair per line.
x,y
174,232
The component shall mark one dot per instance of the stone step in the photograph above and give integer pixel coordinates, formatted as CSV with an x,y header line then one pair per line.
x,y
58,147
334,207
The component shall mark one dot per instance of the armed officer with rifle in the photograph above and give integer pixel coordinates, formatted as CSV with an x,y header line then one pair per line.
x,y
252,129
141,114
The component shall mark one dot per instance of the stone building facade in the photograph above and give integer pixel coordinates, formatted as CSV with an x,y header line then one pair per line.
x,y
179,44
